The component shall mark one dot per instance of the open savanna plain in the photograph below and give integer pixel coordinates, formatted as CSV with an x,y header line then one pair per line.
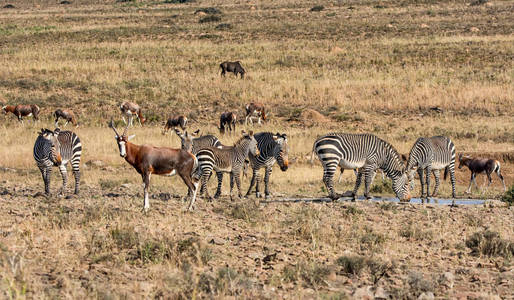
x,y
397,69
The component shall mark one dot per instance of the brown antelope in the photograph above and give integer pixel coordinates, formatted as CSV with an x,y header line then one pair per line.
x,y
131,109
479,165
21,111
227,120
176,121
255,109
148,160
67,115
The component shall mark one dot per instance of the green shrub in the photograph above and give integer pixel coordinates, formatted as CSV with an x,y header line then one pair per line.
x,y
508,197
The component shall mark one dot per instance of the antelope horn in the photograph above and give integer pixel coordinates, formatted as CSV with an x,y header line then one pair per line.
x,y
111,124
126,127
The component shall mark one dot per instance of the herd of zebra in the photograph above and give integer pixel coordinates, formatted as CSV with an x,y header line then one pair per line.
x,y
199,156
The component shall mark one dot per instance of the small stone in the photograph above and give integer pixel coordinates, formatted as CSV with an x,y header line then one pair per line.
x,y
380,293
426,296
424,26
447,279
126,185
216,241
363,293
474,29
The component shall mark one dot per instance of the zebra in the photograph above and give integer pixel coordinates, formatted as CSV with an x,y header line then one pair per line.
x,y
364,152
57,148
193,144
273,148
431,155
227,159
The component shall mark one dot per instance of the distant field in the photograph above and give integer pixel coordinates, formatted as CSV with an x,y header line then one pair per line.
x,y
365,66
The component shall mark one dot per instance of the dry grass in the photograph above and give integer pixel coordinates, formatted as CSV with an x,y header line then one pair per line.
x,y
364,66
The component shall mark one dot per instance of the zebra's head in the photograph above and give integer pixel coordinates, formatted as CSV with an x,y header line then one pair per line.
x,y
252,143
51,137
186,139
121,140
401,187
280,152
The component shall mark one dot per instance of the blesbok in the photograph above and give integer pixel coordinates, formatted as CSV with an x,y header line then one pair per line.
x,y
227,121
232,66
480,165
21,111
174,122
164,161
131,109
67,115
255,109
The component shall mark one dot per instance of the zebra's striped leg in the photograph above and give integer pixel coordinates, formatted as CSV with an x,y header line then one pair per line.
x,y
328,175
206,173
76,174
368,180
46,173
421,182
341,175
357,182
258,185
231,184
436,176
237,178
220,182
64,175
428,172
252,182
453,181
267,175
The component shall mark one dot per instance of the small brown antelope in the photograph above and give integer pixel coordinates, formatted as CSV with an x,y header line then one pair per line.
x,y
479,165
148,160
67,115
176,121
255,109
227,120
21,111
131,109
232,66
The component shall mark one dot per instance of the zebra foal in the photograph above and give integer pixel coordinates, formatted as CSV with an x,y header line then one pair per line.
x,y
432,155
364,152
272,148
229,159
57,148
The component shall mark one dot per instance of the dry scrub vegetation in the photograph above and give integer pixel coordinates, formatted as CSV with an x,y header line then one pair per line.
x,y
355,66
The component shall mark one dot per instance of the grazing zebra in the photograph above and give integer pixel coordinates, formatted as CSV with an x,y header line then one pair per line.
x,y
364,152
479,165
57,148
273,148
431,155
228,159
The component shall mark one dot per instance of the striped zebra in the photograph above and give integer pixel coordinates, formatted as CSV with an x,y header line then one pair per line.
x,y
273,148
57,148
229,159
431,155
193,144
364,152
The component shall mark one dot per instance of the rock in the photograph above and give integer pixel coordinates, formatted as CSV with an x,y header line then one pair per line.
x,y
426,296
447,279
310,116
363,293
424,26
380,293
200,14
9,6
216,241
336,50
474,29
126,185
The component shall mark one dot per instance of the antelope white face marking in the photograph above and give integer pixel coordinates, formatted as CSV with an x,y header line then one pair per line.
x,y
123,151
